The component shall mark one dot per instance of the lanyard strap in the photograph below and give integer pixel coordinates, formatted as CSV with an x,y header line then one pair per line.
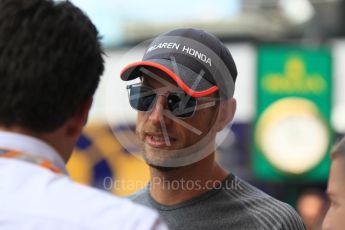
x,y
31,159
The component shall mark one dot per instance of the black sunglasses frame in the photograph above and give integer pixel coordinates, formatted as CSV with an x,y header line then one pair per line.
x,y
152,91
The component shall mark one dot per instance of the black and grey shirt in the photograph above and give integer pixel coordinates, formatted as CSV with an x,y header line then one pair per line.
x,y
233,205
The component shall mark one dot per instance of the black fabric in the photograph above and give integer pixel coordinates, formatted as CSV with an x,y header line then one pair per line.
x,y
211,42
187,75
194,52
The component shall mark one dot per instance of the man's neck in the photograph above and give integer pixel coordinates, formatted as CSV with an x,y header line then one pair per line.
x,y
177,185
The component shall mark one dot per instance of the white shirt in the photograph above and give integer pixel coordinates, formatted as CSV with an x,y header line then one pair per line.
x,y
35,198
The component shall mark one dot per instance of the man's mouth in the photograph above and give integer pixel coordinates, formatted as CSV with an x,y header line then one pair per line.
x,y
158,140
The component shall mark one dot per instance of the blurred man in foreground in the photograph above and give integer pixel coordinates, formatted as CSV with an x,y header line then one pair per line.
x,y
335,217
184,98
50,66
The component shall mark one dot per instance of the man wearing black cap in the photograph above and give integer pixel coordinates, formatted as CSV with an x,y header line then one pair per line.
x,y
184,98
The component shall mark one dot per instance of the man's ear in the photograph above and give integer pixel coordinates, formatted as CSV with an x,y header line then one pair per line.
x,y
226,113
79,119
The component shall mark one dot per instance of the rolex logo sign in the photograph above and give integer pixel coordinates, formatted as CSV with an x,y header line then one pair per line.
x,y
292,131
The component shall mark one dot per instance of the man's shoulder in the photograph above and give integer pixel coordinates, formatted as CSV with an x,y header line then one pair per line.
x,y
266,209
93,203
142,196
72,203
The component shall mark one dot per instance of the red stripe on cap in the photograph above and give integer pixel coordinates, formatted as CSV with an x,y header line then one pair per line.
x,y
175,77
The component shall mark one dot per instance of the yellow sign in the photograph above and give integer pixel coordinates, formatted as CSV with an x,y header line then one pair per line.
x,y
295,79
128,173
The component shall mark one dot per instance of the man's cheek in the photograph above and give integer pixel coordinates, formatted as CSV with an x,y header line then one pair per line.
x,y
139,130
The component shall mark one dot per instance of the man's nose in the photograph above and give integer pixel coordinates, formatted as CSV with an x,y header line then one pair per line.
x,y
157,113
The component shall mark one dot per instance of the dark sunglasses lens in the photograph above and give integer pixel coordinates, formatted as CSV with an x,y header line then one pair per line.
x,y
141,98
181,105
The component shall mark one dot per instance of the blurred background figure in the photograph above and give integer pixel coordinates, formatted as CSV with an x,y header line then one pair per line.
x,y
335,217
311,205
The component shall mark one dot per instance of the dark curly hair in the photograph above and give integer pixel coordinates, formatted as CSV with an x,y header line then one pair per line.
x,y
50,63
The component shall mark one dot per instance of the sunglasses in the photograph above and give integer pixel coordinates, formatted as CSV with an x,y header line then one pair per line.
x,y
143,98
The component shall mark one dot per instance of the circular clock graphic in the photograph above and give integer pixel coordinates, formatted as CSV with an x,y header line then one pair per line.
x,y
292,135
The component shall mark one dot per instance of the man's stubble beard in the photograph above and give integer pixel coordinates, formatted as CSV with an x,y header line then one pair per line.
x,y
178,155
159,156
169,159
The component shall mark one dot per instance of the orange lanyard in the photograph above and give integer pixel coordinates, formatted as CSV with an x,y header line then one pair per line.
x,y
31,159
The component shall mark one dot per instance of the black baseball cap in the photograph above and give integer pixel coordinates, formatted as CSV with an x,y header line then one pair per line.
x,y
196,60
